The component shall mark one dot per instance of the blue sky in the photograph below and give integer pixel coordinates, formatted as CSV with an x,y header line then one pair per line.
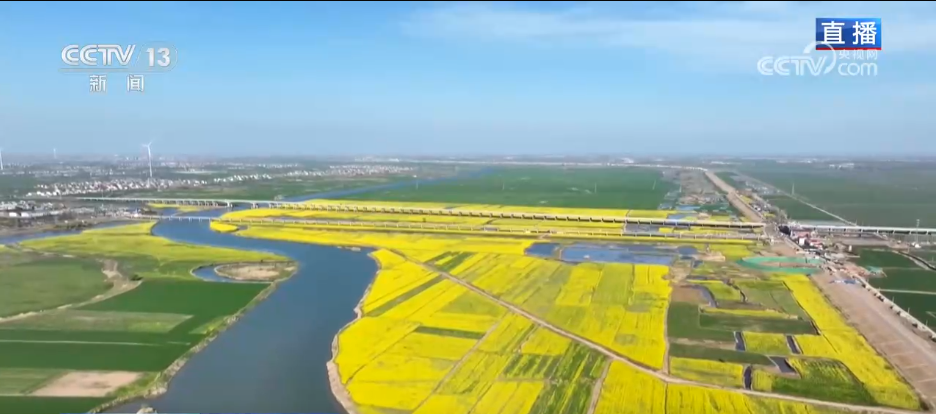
x,y
478,78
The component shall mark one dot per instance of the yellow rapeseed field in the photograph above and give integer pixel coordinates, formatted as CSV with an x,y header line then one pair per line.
x,y
447,404
766,343
222,227
641,335
582,283
458,321
421,256
708,372
432,346
621,306
508,334
476,372
762,380
628,391
757,313
396,277
398,368
545,342
509,397
426,302
556,224
427,345
845,344
395,241
395,395
365,339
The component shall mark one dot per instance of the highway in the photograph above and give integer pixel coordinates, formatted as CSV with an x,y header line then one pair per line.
x,y
877,230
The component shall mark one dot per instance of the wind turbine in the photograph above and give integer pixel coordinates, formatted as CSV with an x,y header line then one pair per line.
x,y
149,157
1,159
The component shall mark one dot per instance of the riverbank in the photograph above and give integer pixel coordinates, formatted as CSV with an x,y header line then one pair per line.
x,y
160,383
338,389
130,332
77,224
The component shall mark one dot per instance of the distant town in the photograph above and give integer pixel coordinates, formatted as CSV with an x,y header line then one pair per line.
x,y
135,184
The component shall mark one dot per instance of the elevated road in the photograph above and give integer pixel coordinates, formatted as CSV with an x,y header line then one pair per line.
x,y
362,208
871,230
445,227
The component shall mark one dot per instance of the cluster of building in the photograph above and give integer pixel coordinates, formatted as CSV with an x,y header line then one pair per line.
x,y
98,186
138,184
31,210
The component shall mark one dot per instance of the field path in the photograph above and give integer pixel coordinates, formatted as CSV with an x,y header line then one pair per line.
x,y
120,285
596,391
666,378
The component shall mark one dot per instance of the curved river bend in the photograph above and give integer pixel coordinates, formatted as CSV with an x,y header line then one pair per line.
x,y
273,359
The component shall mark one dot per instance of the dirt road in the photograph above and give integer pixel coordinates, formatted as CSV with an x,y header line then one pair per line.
x,y
913,356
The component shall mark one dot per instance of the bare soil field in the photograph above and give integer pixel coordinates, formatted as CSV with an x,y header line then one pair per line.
x,y
87,384
688,294
256,271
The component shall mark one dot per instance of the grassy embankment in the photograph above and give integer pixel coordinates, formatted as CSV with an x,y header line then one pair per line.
x,y
145,331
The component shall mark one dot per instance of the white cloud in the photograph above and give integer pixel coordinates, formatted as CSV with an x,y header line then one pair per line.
x,y
727,32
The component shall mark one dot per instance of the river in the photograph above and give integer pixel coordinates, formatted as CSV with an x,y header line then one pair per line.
x,y
274,358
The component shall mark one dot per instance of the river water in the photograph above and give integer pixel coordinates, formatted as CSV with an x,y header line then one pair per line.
x,y
274,358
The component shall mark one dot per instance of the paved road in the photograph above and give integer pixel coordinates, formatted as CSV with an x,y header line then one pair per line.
x,y
733,197
616,357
